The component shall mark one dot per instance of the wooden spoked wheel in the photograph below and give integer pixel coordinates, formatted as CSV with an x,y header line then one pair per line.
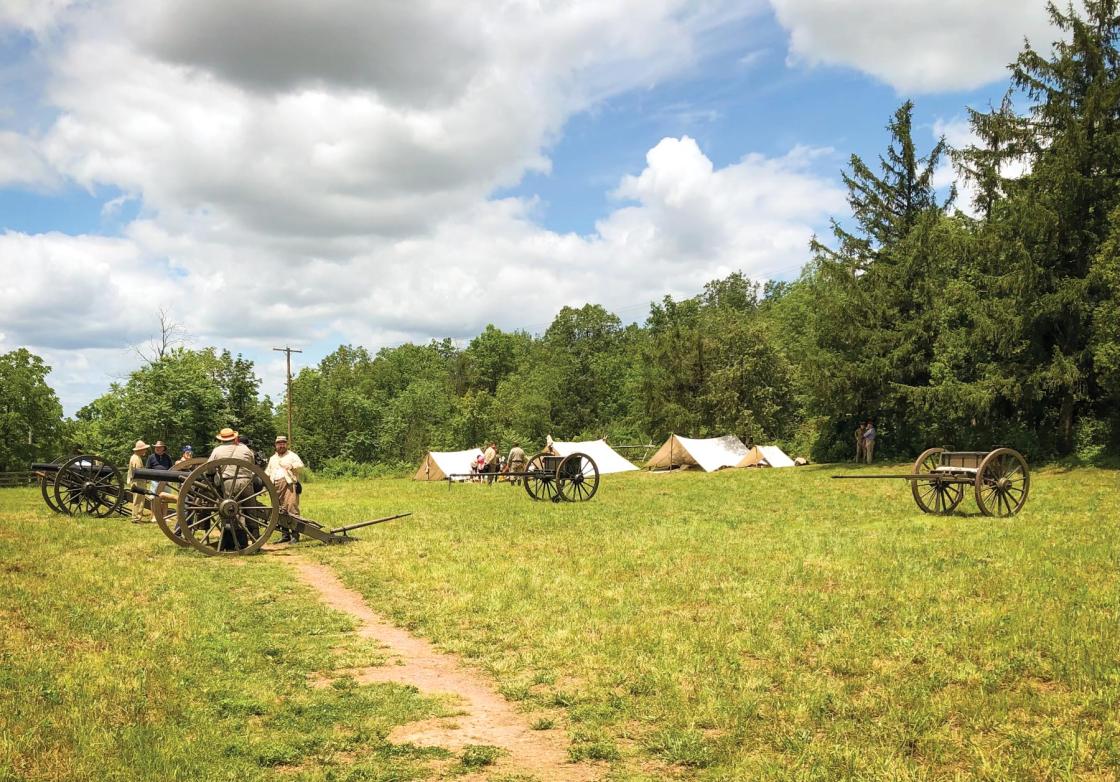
x,y
577,477
1002,483
46,488
934,496
90,485
540,484
165,515
227,507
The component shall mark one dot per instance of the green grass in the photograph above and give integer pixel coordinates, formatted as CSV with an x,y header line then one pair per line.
x,y
770,624
745,625
124,658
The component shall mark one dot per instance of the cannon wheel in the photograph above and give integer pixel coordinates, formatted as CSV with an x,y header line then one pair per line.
x,y
227,507
82,485
1002,483
160,507
539,483
577,477
46,488
934,496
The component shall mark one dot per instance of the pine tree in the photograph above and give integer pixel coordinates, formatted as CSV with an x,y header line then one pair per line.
x,y
1054,219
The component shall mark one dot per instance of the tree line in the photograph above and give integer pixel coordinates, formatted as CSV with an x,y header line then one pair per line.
x,y
998,323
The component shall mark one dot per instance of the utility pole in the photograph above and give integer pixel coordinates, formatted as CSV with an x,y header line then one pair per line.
x,y
288,352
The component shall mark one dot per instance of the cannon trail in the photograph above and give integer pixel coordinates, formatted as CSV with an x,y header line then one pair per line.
x,y
488,718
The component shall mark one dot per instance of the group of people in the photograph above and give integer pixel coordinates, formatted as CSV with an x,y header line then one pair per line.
x,y
489,464
865,441
283,469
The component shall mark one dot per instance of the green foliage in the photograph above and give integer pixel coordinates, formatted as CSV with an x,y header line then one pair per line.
x,y
30,414
185,396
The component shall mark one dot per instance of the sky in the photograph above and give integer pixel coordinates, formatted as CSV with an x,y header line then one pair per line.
x,y
370,172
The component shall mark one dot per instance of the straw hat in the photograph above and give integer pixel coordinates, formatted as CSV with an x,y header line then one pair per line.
x,y
140,446
227,435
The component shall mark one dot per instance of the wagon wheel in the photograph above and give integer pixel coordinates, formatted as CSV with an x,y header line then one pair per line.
x,y
580,478
166,518
1002,483
934,496
46,488
540,484
88,484
227,507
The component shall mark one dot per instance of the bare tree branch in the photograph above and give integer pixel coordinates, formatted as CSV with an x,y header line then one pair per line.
x,y
171,335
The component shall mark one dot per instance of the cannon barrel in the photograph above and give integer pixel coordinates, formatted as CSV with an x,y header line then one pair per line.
x,y
173,476
51,467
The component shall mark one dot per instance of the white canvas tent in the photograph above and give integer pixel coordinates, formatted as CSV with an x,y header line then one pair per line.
x,y
710,454
437,465
766,456
607,459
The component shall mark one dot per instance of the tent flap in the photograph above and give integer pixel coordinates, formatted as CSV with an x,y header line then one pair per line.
x,y
766,456
437,465
607,459
710,454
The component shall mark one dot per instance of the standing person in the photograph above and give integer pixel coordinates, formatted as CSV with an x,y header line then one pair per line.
x,y
859,442
136,462
188,454
490,459
160,460
869,440
516,462
283,470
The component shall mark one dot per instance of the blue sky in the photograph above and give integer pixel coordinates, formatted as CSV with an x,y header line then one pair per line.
x,y
355,187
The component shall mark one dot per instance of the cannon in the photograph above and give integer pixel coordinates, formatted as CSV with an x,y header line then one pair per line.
x,y
229,507
82,484
1000,478
571,478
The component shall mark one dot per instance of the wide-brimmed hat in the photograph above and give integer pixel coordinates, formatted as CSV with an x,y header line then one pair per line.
x,y
227,435
140,446
159,444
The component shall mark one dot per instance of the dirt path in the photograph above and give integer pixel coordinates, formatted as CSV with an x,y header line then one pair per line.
x,y
489,718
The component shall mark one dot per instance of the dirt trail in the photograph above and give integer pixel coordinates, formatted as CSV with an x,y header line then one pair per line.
x,y
489,718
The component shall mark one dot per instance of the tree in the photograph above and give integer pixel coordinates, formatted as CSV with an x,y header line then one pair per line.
x,y
171,335
1056,218
30,413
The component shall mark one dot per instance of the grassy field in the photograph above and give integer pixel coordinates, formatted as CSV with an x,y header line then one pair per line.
x,y
736,626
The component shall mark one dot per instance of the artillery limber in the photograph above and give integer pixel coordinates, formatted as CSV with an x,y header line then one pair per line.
x,y
82,484
571,478
229,506
1000,479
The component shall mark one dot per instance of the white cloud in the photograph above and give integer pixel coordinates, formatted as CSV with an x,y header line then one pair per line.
x,y
684,222
336,197
38,17
916,45
22,163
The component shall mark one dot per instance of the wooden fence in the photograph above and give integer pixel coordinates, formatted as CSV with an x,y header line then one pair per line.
x,y
9,479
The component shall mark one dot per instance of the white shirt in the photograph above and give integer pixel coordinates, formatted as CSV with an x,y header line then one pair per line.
x,y
282,468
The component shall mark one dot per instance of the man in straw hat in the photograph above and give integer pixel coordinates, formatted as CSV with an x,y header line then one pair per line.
x,y
136,462
230,448
234,481
283,470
